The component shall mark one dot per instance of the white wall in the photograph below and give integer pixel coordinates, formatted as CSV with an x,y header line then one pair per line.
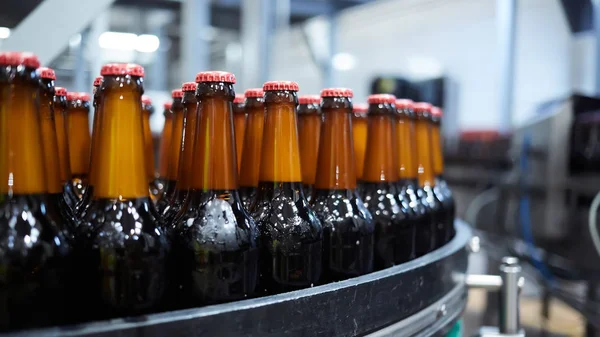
x,y
414,37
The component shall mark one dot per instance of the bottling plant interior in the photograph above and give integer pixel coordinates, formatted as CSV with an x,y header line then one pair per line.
x,y
299,168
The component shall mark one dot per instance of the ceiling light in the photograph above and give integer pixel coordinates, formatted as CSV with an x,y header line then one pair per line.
x,y
147,43
118,41
343,61
4,32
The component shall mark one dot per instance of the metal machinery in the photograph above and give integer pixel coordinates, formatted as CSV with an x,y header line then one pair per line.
x,y
531,197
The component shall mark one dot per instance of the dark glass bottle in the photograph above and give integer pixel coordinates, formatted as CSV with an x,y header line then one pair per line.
x,y
359,135
408,185
441,186
148,110
58,209
291,235
60,110
215,240
190,121
426,177
309,131
122,249
255,111
86,198
78,128
239,126
35,259
163,152
394,233
348,229
174,151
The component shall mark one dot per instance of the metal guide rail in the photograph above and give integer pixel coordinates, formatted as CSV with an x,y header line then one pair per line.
x,y
419,298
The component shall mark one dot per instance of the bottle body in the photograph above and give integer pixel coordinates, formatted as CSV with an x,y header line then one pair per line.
x,y
422,216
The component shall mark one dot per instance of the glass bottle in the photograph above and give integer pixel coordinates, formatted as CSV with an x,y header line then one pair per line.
x,y
394,234
60,121
291,235
78,128
122,250
239,126
309,131
255,110
35,259
348,239
215,240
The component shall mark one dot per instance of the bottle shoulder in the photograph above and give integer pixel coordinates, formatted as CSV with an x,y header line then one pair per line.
x,y
342,210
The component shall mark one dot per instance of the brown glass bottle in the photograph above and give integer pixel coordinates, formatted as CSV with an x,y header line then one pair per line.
x,y
255,110
86,198
309,131
215,241
60,121
408,185
163,152
78,128
348,229
122,250
394,234
425,173
291,234
148,110
174,151
359,135
239,126
36,254
186,157
441,186
58,209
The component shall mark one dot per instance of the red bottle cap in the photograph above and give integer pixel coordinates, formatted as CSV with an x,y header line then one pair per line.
x,y
46,73
167,106
436,112
11,58
254,92
404,104
146,100
189,86
422,107
98,81
78,96
337,92
360,108
381,98
177,93
115,69
309,99
239,99
280,85
215,76
60,91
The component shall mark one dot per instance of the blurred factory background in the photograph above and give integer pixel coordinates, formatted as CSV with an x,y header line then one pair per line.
x,y
517,80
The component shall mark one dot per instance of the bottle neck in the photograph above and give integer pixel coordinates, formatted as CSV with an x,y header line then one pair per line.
x,y
436,148
423,139
78,128
21,157
148,146
239,126
49,142
379,154
165,142
60,103
215,165
121,136
336,160
251,153
405,145
309,129
359,135
176,136
280,157
190,113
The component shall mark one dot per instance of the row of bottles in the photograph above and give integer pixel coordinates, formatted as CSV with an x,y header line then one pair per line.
x,y
253,195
